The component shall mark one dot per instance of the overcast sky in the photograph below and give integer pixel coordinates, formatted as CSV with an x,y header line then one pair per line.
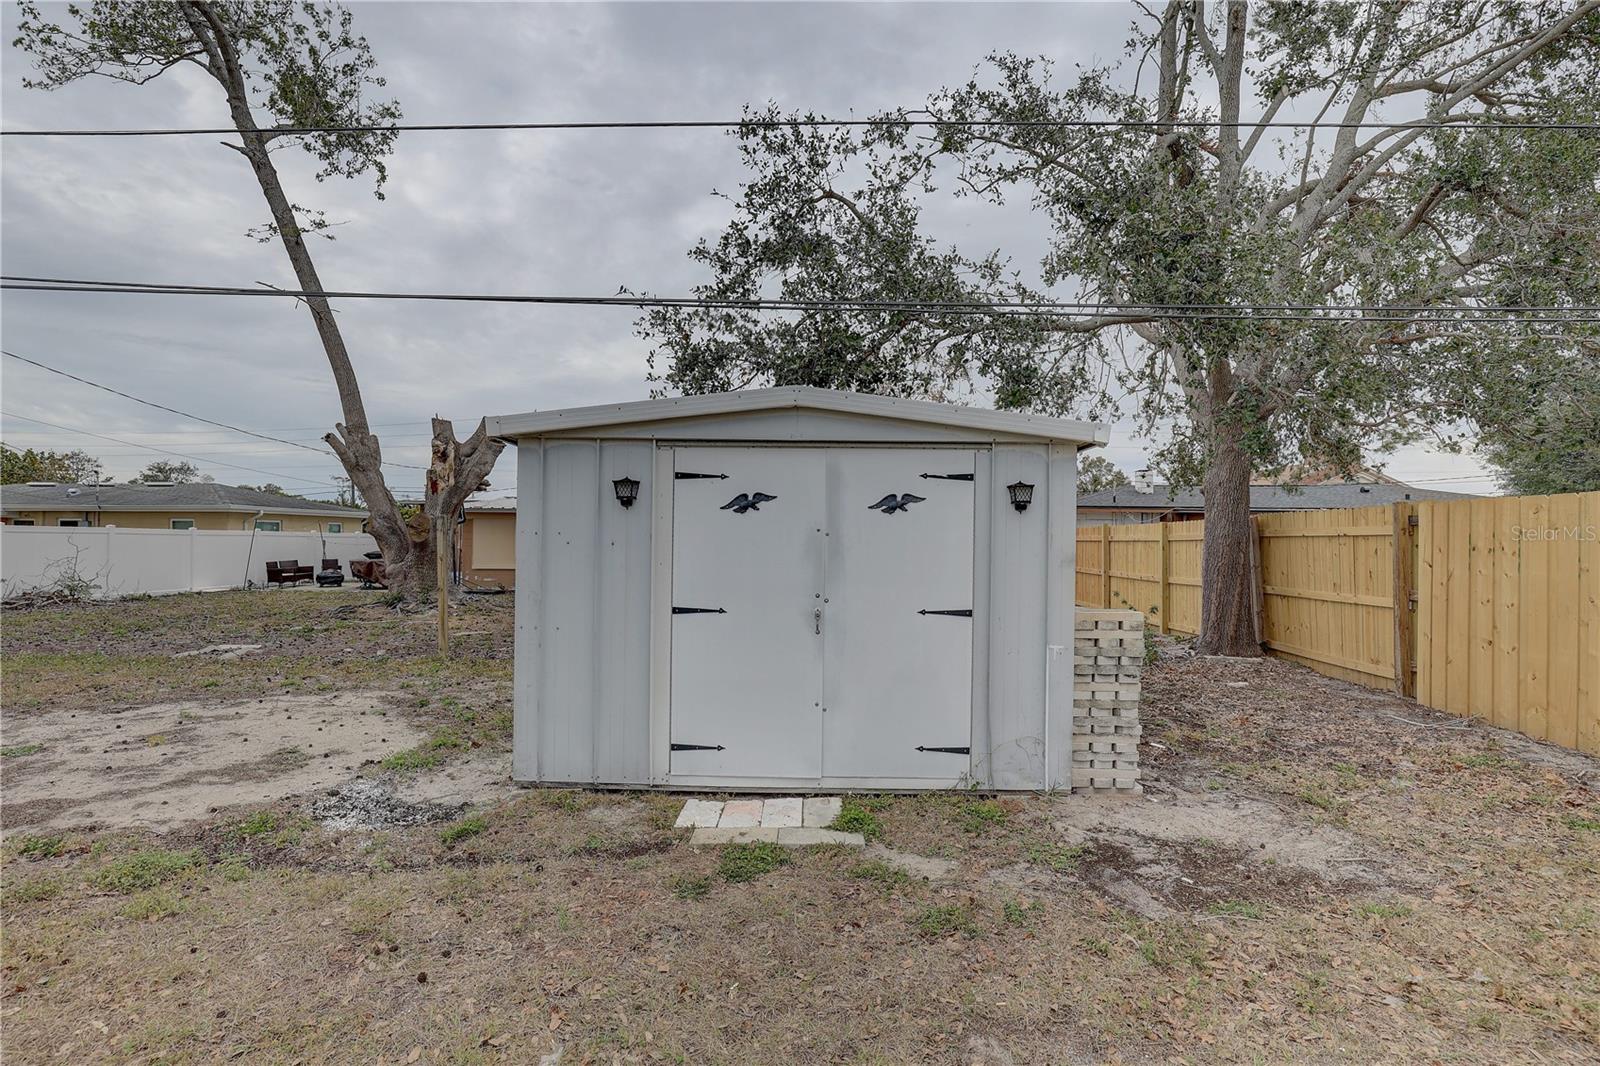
x,y
568,212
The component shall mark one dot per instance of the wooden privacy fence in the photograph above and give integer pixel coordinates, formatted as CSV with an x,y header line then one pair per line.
x,y
1488,608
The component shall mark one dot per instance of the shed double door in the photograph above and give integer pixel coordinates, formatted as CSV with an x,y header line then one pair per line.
x,y
822,622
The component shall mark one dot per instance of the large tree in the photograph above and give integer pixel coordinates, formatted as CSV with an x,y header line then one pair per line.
x,y
65,468
1453,229
163,470
1096,473
302,66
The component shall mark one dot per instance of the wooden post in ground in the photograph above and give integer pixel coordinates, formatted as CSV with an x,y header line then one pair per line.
x,y
441,541
1405,588
1164,608
1105,566
1258,604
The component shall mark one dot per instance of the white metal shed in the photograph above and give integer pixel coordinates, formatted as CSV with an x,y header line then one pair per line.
x,y
793,588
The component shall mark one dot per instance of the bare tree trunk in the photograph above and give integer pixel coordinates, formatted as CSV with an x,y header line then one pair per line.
x,y
1227,604
407,547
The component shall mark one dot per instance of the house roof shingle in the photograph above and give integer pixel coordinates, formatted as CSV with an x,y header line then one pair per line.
x,y
200,496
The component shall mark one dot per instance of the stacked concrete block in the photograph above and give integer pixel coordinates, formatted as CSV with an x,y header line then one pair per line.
x,y
1108,655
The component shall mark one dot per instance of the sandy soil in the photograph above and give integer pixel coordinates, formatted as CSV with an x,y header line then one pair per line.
x,y
161,766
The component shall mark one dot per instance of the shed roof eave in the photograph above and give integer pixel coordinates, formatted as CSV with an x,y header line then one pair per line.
x,y
602,416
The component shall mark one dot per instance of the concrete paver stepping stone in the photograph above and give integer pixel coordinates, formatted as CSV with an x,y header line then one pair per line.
x,y
740,814
751,834
820,811
697,813
781,811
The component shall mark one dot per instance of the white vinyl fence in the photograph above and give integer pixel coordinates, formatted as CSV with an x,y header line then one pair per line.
x,y
125,562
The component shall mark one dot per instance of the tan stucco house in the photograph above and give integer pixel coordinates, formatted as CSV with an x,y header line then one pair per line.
x,y
171,506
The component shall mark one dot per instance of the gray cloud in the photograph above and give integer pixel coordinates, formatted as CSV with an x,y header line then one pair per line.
x,y
570,212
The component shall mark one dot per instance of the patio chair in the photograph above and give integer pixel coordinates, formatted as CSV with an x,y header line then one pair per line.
x,y
331,573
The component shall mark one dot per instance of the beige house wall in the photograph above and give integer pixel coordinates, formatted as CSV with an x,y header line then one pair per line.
x,y
292,522
488,548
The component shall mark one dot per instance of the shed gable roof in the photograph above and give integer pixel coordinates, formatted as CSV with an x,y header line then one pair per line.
x,y
604,418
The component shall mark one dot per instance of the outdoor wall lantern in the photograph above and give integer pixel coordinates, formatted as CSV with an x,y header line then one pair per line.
x,y
627,490
1021,494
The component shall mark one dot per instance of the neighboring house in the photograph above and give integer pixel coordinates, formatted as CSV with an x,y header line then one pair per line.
x,y
1162,503
487,545
163,505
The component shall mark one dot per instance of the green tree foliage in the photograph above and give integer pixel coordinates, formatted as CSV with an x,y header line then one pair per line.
x,y
1096,473
1195,204
66,468
271,489
1546,439
184,473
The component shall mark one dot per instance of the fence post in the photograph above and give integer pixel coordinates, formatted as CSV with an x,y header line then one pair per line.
x,y
1404,539
1105,566
1258,605
1165,604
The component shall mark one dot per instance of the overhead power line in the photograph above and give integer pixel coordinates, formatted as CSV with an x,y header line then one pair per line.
x,y
1459,122
162,451
184,414
1133,313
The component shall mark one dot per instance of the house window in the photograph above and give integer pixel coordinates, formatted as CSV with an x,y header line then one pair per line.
x,y
182,523
335,527
22,521
70,522
269,525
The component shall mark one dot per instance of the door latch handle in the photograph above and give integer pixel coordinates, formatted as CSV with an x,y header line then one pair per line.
x,y
816,616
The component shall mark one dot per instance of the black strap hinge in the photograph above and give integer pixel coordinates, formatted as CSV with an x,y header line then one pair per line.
x,y
947,751
684,475
698,747
948,477
699,610
954,614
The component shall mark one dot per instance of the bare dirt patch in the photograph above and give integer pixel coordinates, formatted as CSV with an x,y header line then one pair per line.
x,y
160,766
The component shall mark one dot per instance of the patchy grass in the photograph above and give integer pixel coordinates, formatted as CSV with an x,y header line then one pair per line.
x,y
257,824
413,759
687,888
947,920
855,816
149,906
17,751
143,869
34,890
885,874
576,919
41,847
980,816
463,830
1062,858
1016,912
746,862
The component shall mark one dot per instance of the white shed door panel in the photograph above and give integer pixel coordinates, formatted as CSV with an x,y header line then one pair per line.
x,y
898,626
747,573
